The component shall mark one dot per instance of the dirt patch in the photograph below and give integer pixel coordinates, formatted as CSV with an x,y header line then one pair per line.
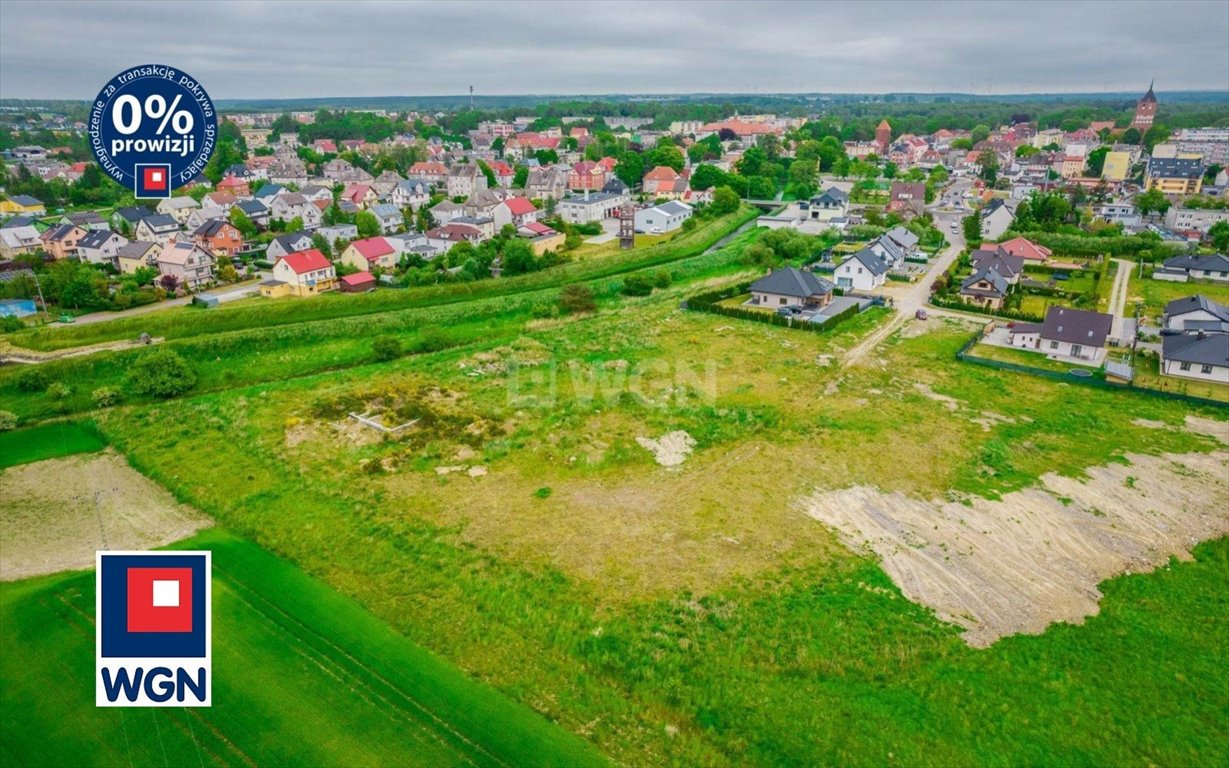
x,y
48,520
1036,557
671,449
1202,426
950,403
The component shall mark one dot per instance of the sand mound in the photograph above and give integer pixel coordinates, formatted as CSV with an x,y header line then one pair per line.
x,y
1014,566
671,449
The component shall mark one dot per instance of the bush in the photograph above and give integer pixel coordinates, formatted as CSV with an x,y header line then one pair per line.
x,y
386,348
105,397
161,373
9,324
433,340
637,285
58,390
577,298
8,421
661,278
32,379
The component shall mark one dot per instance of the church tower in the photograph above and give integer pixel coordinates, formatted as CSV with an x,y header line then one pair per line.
x,y
883,137
1145,111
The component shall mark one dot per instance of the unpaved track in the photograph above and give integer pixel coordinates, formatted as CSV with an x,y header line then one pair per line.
x,y
49,523
1017,565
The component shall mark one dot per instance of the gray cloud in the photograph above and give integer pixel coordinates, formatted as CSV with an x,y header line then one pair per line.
x,y
306,49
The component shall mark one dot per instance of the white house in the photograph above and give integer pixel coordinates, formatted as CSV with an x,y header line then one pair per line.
x,y
178,208
830,204
996,218
284,245
101,247
862,271
666,217
589,209
1181,268
1188,315
1202,356
790,287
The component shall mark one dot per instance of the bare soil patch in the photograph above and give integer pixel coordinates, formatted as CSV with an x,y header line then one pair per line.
x,y
1035,557
48,520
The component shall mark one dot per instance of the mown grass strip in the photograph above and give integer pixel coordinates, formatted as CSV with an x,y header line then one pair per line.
x,y
49,441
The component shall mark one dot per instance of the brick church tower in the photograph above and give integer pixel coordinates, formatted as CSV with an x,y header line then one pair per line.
x,y
883,137
1145,111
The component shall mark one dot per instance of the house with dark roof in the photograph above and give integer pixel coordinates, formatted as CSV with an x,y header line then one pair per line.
x,y
986,287
137,254
284,245
89,220
830,204
790,287
60,242
129,217
861,271
1010,267
1200,355
255,210
1195,267
1196,313
1174,175
1075,333
101,246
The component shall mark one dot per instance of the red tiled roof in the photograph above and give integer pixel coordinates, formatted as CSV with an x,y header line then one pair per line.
x,y
372,248
306,261
1025,248
519,206
661,173
538,228
359,278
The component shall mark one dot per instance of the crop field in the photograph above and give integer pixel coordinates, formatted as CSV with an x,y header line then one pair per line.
x,y
618,521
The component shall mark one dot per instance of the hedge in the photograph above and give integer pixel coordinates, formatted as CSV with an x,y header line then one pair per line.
x,y
1008,314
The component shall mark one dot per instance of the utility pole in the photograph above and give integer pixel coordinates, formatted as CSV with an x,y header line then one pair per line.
x,y
471,98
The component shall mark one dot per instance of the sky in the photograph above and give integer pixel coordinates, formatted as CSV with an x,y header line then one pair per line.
x,y
309,48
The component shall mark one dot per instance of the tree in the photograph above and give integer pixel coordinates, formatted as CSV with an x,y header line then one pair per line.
x,y
979,133
491,182
518,258
242,222
1026,150
161,373
1131,136
1096,161
386,348
577,297
988,161
367,223
667,155
637,285
972,229
725,200
321,243
520,177
630,168
1218,233
1151,201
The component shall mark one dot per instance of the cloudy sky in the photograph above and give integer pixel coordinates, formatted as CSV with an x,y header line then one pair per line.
x,y
306,48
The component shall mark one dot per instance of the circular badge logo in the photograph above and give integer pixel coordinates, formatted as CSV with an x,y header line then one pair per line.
x,y
153,129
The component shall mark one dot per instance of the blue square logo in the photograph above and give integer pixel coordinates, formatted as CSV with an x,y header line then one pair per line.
x,y
152,181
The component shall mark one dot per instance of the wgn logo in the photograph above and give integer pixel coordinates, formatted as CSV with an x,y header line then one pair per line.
x,y
154,623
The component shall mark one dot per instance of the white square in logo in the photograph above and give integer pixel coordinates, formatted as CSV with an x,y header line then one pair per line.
x,y
166,594
156,176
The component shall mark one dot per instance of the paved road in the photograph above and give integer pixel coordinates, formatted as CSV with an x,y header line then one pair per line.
x,y
224,294
916,295
1118,296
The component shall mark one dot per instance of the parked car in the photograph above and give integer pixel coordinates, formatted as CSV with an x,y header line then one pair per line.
x,y
921,314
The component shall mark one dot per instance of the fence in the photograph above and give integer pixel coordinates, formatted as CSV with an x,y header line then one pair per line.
x,y
709,302
1091,381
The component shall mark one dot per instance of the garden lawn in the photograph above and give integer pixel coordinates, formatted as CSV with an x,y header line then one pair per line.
x,y
1155,294
49,441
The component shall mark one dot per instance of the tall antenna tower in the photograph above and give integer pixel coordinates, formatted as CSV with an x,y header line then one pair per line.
x,y
471,98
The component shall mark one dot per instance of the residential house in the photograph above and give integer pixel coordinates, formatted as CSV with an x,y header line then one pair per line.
x,y
223,201
412,193
445,211
664,182
996,218
219,236
907,198
126,219
362,195
591,209
465,179
541,237
517,211
1173,175
358,282
482,203
890,252
201,215
302,273
666,217
549,183
904,240
316,193
159,228
385,182
256,211
1194,267
1010,267
450,234
485,225
432,172
338,232
284,245
15,241
342,171
288,169
292,205
177,208
830,204
189,263
389,217
1199,355
791,287
60,242
1198,220
986,287
88,220
1074,333
1196,313
504,173
137,254
19,204
1025,249
235,185
861,271
370,253
101,246
587,175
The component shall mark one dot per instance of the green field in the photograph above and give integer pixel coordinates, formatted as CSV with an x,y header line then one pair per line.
x,y
689,616
1155,294
302,676
49,441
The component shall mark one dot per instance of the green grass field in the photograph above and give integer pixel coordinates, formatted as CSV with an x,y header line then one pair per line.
x,y
49,441
302,676
667,617
1155,294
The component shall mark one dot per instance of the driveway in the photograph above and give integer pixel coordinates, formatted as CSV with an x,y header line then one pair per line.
x,y
223,295
1118,296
